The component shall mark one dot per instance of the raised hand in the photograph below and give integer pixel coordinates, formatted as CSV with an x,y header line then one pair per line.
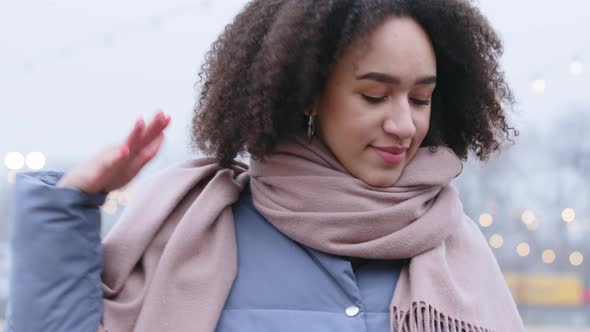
x,y
117,165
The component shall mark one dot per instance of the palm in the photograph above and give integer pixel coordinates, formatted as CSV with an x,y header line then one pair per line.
x,y
117,165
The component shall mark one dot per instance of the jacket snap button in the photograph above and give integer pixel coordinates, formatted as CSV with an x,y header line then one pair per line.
x,y
352,311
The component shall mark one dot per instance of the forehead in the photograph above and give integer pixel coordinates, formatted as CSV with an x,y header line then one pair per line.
x,y
399,46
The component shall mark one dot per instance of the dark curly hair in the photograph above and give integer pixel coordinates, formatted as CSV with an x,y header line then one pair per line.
x,y
275,59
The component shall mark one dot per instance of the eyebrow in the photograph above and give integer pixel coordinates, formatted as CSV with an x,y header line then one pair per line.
x,y
386,78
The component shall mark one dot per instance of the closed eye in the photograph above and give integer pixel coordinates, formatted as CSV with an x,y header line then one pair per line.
x,y
420,101
374,100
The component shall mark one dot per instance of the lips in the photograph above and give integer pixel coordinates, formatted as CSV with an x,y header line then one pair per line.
x,y
391,155
392,149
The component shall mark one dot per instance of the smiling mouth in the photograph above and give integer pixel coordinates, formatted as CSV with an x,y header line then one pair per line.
x,y
391,155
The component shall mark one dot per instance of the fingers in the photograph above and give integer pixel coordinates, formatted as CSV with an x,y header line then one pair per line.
x,y
150,150
126,160
146,154
134,139
154,129
117,164
141,135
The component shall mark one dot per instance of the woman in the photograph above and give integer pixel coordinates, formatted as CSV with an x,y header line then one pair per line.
x,y
356,114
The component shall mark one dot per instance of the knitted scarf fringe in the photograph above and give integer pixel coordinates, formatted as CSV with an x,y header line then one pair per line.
x,y
423,318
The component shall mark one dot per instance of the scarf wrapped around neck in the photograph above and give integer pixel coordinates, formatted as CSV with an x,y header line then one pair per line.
x,y
170,261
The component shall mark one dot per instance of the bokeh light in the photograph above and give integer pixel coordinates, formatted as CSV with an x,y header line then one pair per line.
x,y
576,258
486,220
528,217
568,215
14,160
539,86
523,249
548,256
35,160
496,241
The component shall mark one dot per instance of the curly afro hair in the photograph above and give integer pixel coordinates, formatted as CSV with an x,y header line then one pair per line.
x,y
275,59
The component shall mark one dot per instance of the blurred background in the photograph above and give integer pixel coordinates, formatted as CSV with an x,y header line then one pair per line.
x,y
75,75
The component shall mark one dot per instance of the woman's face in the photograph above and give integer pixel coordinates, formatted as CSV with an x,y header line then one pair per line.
x,y
375,110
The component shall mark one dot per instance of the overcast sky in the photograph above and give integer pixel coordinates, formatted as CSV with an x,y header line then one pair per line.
x,y
74,75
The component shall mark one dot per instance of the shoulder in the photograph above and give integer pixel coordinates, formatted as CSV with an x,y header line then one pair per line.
x,y
179,179
201,169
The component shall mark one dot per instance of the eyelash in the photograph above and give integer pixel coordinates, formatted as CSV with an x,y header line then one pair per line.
x,y
374,100
421,102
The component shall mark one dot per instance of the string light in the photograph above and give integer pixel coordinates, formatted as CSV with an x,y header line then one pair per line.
x,y
548,256
523,249
528,217
496,241
35,160
486,220
568,215
539,86
14,160
115,199
576,258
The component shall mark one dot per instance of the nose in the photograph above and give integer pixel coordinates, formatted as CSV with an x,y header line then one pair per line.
x,y
399,121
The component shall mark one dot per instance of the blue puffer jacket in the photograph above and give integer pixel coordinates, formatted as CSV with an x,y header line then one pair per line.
x,y
281,285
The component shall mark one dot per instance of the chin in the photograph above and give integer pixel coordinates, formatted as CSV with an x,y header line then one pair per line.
x,y
381,179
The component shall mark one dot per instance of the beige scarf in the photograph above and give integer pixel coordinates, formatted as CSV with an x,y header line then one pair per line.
x,y
172,258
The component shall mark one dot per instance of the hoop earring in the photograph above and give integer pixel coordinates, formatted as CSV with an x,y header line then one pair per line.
x,y
310,128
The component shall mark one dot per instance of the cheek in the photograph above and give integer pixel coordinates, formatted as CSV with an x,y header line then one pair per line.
x,y
344,119
422,123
